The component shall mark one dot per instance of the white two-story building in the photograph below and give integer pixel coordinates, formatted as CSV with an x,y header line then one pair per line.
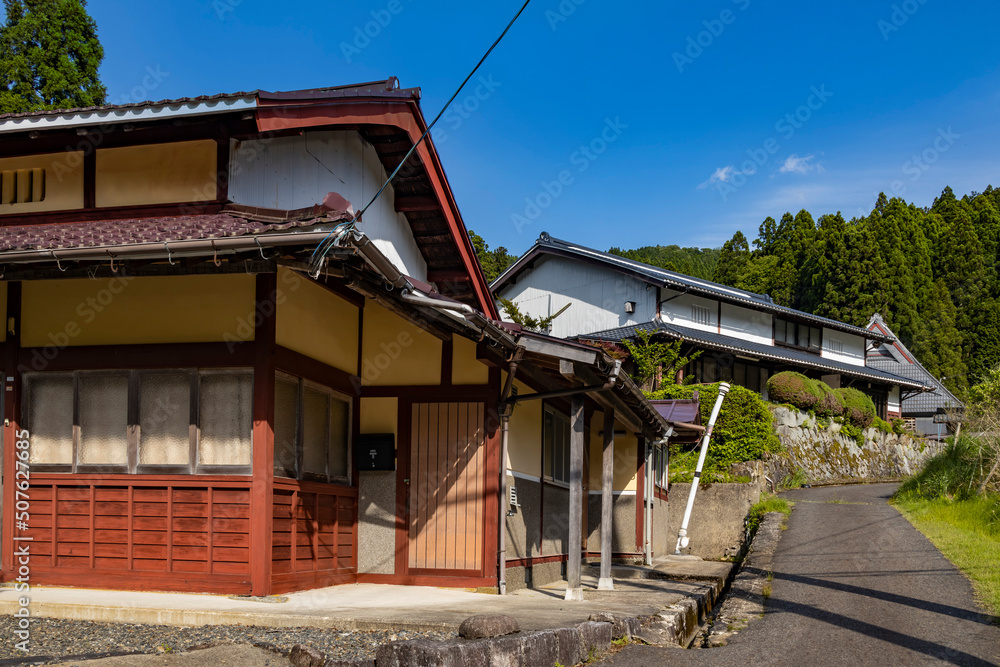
x,y
744,337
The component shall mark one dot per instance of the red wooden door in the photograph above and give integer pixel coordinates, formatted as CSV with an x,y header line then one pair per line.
x,y
445,505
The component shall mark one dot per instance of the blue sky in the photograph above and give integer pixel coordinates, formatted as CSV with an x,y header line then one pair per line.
x,y
622,123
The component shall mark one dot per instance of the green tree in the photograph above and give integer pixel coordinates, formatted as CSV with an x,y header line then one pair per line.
x,y
657,359
494,262
49,56
732,260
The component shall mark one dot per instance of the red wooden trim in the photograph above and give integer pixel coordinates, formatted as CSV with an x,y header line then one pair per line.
x,y
615,554
151,356
12,414
211,529
55,526
222,169
315,531
224,584
404,446
408,580
640,496
433,393
308,486
90,179
661,493
170,528
447,361
293,558
69,479
93,527
284,583
306,367
262,492
112,213
530,561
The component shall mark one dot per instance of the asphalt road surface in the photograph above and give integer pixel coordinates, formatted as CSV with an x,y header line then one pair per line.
x,y
854,584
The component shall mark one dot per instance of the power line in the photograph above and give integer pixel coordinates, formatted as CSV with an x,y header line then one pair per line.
x,y
335,236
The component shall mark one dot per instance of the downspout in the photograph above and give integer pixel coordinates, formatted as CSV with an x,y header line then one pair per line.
x,y
682,538
506,408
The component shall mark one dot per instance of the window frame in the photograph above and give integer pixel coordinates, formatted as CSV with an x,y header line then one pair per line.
x,y
783,325
548,447
133,434
300,474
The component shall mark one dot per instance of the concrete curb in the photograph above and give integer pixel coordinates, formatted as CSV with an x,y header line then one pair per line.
x,y
567,646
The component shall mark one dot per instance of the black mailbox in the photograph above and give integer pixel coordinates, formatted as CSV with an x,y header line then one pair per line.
x,y
375,452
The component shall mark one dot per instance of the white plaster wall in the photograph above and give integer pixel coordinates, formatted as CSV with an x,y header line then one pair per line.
x,y
747,324
298,171
894,399
678,311
854,347
597,296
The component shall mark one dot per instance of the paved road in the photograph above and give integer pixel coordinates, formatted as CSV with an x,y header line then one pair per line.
x,y
854,584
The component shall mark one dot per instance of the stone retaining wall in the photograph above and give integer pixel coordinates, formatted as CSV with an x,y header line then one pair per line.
x,y
828,456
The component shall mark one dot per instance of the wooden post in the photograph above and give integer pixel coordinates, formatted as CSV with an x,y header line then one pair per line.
x,y
12,415
607,500
262,490
574,590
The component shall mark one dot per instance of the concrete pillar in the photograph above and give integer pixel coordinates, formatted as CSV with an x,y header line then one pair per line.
x,y
574,590
605,583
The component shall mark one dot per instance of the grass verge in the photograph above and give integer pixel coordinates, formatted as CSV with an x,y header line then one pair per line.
x,y
768,503
967,532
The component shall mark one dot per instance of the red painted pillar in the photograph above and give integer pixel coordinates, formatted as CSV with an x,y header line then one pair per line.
x,y
11,409
262,487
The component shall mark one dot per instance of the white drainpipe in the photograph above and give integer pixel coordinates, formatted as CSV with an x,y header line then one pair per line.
x,y
682,538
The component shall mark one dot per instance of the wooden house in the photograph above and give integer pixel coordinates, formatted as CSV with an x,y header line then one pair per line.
x,y
744,338
190,407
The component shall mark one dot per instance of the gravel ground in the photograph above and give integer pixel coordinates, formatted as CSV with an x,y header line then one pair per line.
x,y
55,638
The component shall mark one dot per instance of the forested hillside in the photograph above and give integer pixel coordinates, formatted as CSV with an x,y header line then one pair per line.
x,y
697,262
932,273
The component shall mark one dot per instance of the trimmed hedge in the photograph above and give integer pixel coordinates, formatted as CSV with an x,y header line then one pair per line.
x,y
744,430
816,396
858,407
805,393
793,388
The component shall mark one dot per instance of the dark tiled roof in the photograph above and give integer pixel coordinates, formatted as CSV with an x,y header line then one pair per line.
x,y
101,233
672,280
737,345
895,358
129,105
926,403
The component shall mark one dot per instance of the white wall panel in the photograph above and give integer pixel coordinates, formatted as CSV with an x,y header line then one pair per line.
x,y
297,172
894,399
597,295
746,324
680,309
852,347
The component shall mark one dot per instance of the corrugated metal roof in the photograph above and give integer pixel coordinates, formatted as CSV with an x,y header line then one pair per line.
x,y
740,346
672,279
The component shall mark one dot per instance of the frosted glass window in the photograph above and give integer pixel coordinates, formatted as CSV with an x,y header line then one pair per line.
x,y
103,405
225,412
339,437
165,419
315,436
556,446
286,399
50,418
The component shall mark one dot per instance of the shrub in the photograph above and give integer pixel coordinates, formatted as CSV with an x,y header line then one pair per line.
x,y
858,407
898,426
795,389
830,404
954,473
744,430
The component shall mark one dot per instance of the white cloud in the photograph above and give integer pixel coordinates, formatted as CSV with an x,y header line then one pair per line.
x,y
799,165
721,175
